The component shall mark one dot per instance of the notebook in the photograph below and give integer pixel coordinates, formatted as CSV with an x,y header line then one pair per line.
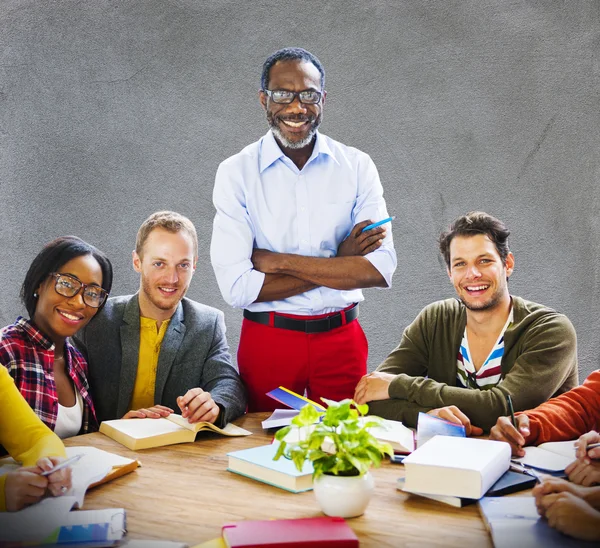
x,y
459,467
514,522
322,532
552,457
139,434
257,463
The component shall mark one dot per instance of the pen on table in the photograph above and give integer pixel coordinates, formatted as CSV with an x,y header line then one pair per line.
x,y
512,410
379,223
518,467
62,465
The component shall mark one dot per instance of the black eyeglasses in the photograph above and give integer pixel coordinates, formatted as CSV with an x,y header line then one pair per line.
x,y
285,97
69,286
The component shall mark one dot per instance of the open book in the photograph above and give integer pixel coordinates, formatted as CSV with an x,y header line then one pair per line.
x,y
139,434
93,468
552,457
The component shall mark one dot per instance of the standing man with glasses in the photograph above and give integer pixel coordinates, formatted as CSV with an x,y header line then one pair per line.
x,y
288,245
155,352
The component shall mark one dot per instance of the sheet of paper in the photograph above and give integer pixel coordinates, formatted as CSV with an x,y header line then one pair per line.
x,y
92,467
280,417
35,522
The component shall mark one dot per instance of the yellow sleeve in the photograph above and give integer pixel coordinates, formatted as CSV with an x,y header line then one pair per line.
x,y
26,438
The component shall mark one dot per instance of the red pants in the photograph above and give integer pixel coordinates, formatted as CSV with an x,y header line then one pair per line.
x,y
326,364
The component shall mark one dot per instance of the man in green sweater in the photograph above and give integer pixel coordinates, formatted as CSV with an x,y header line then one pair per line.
x,y
461,358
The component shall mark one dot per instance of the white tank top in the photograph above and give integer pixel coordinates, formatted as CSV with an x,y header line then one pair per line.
x,y
68,420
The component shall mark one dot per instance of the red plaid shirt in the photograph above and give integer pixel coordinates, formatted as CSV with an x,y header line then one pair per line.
x,y
29,357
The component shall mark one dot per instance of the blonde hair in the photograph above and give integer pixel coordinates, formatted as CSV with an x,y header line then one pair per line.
x,y
170,221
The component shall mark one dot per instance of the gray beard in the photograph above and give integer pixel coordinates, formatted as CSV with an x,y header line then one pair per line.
x,y
293,144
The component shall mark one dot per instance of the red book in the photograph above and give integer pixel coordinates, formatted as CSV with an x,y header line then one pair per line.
x,y
322,532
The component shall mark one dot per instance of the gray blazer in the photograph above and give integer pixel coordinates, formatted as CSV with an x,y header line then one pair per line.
x,y
194,353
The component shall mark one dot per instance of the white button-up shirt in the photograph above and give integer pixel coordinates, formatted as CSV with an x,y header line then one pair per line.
x,y
264,201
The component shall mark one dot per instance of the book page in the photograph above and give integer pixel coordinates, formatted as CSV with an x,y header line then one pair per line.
x,y
228,430
395,432
180,421
87,470
145,428
539,458
564,448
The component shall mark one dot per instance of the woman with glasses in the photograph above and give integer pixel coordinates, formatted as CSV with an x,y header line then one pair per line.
x,y
65,287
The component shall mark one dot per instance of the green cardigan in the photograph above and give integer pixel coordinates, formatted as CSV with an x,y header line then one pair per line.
x,y
539,362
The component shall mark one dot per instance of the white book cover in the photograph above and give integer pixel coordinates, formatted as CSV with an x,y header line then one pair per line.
x,y
459,467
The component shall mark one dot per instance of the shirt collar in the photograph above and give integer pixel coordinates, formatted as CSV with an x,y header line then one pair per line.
x,y
270,151
34,333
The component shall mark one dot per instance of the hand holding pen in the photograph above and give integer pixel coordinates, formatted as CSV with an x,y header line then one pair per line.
x,y
514,430
588,447
364,238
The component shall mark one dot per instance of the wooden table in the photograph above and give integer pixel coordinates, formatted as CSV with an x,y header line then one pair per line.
x,y
185,493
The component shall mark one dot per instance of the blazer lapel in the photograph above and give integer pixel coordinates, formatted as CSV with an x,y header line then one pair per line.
x,y
168,350
130,347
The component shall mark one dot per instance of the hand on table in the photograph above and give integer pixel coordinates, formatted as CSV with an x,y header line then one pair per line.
x,y
373,386
197,405
584,472
504,430
568,513
451,413
359,242
154,412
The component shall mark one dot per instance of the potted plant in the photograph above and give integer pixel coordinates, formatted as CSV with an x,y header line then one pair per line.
x,y
341,449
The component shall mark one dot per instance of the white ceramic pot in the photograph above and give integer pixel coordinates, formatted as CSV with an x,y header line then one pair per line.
x,y
342,496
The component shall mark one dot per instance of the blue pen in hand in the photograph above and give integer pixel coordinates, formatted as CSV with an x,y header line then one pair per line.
x,y
379,223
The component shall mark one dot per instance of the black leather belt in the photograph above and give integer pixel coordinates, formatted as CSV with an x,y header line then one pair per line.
x,y
321,325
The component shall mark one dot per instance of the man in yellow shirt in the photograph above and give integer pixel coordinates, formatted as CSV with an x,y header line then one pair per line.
x,y
157,351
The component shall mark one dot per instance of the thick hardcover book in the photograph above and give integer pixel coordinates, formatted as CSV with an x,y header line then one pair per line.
x,y
324,532
509,482
459,467
257,463
146,433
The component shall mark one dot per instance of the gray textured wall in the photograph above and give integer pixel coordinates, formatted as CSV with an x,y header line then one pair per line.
x,y
110,110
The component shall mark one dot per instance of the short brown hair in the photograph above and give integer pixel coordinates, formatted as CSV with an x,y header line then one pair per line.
x,y
170,221
471,224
